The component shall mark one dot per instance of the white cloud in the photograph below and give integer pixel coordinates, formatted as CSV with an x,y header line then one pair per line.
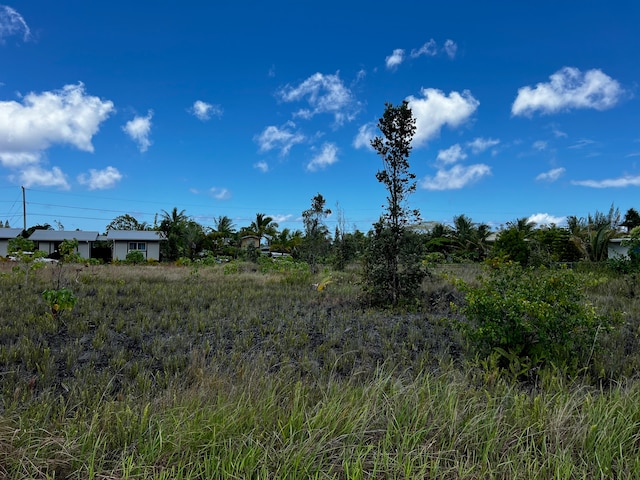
x,y
451,155
66,116
551,175
139,129
621,182
429,49
479,145
324,94
35,175
281,138
12,23
220,193
436,110
395,59
567,89
450,48
262,166
583,142
279,218
327,156
100,179
546,219
203,110
540,145
366,133
456,177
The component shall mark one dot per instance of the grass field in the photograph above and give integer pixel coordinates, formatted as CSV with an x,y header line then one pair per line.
x,y
182,372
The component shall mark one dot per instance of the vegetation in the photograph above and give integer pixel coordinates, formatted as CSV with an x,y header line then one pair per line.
x,y
160,373
392,268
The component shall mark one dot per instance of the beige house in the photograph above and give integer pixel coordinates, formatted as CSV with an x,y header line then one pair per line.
x,y
7,234
125,241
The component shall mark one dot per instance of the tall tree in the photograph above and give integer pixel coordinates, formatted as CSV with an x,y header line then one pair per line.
x,y
316,242
174,225
391,271
631,220
127,222
263,225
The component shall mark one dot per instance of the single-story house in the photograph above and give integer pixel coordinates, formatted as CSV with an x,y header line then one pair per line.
x,y
48,241
125,241
7,234
250,241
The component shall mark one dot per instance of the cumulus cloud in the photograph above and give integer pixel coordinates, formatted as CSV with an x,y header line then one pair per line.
x,y
568,89
282,138
327,156
139,130
621,182
551,175
479,145
12,23
66,116
220,193
452,154
365,134
262,166
450,48
203,110
437,109
395,59
546,219
36,175
430,49
100,179
456,177
324,94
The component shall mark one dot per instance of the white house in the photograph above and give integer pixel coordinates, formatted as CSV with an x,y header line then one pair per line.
x,y
7,234
48,241
125,241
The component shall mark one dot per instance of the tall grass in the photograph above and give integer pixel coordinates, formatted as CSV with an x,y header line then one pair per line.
x,y
162,373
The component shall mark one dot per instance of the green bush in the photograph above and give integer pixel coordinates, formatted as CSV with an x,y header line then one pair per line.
x,y
135,256
532,317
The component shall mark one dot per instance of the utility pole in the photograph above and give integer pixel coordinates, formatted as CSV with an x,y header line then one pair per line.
x,y
24,210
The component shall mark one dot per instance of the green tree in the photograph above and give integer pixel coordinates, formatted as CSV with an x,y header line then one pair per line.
x,y
25,253
174,224
389,264
469,240
127,222
262,226
316,242
631,220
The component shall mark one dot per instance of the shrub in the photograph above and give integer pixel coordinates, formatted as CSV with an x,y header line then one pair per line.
x,y
532,317
135,256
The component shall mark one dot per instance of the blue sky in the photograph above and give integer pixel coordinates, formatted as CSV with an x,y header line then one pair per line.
x,y
523,109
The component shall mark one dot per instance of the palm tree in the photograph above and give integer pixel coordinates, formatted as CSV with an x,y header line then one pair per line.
x,y
263,225
224,226
470,239
173,225
286,241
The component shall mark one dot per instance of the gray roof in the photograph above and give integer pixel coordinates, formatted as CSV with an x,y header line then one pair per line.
x,y
60,235
137,235
10,232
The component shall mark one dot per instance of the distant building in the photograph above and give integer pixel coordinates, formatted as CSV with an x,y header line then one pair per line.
x,y
7,234
49,241
125,241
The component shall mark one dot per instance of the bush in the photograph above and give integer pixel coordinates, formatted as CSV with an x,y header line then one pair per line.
x,y
135,256
532,317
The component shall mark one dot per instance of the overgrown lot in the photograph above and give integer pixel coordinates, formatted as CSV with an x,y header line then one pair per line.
x,y
185,372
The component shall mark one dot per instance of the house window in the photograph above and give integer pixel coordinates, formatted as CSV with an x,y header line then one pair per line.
x,y
137,246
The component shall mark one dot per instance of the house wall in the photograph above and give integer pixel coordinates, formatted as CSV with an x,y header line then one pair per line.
x,y
84,248
617,250
121,248
4,245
